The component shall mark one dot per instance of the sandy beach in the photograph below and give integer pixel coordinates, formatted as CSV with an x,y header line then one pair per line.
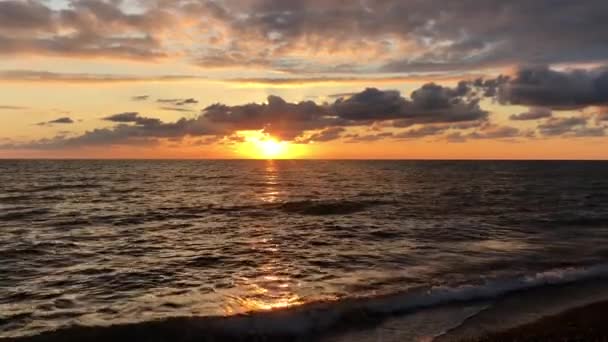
x,y
587,323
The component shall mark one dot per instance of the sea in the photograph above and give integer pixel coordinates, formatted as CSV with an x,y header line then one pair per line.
x,y
286,250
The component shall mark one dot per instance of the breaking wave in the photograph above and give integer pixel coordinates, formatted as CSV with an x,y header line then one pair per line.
x,y
315,319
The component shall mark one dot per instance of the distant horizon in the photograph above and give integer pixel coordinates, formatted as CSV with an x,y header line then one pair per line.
x,y
300,159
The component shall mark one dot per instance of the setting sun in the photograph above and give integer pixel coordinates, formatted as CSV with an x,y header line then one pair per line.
x,y
261,145
271,148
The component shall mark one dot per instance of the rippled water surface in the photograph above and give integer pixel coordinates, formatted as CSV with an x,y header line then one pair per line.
x,y
100,242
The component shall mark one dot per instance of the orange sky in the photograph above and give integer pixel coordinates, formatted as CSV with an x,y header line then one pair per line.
x,y
170,80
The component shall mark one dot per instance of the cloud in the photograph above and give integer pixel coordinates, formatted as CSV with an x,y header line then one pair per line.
x,y
178,102
558,90
47,76
132,129
534,113
561,126
409,36
123,117
140,98
495,132
429,104
331,36
327,134
176,109
63,121
357,138
278,117
86,28
421,132
431,110
600,117
6,107
489,131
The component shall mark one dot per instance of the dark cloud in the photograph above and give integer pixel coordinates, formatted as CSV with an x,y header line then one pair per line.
x,y
278,117
123,117
534,113
430,104
63,121
544,87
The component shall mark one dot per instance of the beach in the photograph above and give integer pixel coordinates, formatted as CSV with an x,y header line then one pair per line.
x,y
588,323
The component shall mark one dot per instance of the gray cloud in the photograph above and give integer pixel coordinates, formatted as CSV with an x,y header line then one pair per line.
x,y
176,109
559,90
123,117
178,102
399,36
421,132
561,126
283,119
132,129
489,132
430,104
534,113
63,121
495,132
490,32
327,134
358,138
87,28
140,98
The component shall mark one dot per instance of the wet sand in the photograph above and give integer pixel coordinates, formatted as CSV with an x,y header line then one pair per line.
x,y
587,323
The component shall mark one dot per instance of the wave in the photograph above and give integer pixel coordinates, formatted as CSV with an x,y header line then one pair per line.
x,y
337,207
305,207
313,320
26,213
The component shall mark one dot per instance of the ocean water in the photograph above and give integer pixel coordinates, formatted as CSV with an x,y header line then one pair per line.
x,y
304,248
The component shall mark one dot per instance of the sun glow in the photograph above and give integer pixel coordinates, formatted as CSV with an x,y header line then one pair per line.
x,y
271,148
261,145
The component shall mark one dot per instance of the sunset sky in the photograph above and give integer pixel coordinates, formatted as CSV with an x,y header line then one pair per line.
x,y
304,79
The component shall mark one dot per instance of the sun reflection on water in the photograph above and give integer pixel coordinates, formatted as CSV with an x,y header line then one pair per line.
x,y
271,191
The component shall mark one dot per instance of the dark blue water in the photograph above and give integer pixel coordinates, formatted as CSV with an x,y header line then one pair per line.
x,y
109,242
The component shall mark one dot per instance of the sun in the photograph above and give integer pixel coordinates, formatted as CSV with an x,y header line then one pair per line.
x,y
270,148
261,145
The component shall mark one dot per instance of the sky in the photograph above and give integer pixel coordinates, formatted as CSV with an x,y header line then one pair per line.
x,y
344,79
